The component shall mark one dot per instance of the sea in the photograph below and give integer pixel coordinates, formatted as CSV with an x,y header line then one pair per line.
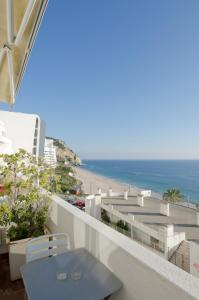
x,y
157,175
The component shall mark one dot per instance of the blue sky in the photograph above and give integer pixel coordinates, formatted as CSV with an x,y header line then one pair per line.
x,y
117,79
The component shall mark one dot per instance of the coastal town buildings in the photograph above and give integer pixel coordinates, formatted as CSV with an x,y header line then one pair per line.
x,y
50,157
24,131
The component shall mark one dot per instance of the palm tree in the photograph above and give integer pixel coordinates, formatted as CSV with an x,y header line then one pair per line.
x,y
173,195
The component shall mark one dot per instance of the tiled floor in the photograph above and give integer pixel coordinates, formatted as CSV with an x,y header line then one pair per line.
x,y
9,290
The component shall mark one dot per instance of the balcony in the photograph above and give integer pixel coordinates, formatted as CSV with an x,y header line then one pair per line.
x,y
144,274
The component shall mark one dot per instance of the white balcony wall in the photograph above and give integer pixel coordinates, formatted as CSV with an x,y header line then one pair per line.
x,y
197,218
194,259
144,274
165,208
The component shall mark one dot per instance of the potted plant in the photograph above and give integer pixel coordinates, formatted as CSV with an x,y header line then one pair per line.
x,y
24,208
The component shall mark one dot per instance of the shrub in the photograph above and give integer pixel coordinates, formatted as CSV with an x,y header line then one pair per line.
x,y
122,225
105,217
25,210
173,195
62,182
5,214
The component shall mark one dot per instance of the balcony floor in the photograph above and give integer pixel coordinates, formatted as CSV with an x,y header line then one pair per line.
x,y
9,290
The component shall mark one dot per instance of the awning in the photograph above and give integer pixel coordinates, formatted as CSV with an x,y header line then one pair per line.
x,y
19,23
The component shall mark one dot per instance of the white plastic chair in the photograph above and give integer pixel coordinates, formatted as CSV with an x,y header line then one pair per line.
x,y
47,245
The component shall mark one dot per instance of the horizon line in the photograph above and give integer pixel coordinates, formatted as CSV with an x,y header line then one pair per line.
x,y
166,159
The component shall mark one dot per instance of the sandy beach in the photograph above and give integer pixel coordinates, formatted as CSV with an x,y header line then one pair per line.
x,y
92,181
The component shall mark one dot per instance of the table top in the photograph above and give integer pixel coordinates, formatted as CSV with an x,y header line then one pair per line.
x,y
96,282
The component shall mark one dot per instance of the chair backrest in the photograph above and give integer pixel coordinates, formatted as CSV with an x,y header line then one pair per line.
x,y
47,245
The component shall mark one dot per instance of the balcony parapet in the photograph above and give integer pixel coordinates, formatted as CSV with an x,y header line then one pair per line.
x,y
144,274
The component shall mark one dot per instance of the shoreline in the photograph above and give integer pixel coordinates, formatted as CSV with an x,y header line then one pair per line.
x,y
92,181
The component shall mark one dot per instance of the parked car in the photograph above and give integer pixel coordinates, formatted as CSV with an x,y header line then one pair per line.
x,y
80,204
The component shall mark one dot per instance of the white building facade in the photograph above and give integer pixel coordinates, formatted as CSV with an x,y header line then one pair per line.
x,y
23,131
5,143
50,157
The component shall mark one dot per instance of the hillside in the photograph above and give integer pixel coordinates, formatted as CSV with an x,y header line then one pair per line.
x,y
64,153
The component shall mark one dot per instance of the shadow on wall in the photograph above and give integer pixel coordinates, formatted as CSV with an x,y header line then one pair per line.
x,y
60,222
139,282
81,234
146,214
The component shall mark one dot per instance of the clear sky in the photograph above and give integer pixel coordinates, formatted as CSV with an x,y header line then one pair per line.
x,y
117,78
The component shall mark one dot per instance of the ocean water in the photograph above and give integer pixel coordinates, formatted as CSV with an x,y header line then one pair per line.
x,y
157,175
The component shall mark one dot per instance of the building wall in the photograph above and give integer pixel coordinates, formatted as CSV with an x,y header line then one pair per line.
x,y
144,275
194,259
21,130
42,137
5,143
50,157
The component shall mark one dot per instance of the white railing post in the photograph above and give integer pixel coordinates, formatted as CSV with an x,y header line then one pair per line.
x,y
164,208
197,218
126,195
99,191
140,200
97,206
110,191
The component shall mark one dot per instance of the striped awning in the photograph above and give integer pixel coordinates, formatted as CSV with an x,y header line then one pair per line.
x,y
19,23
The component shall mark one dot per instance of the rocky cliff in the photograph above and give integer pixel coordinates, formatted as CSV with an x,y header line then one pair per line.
x,y
64,153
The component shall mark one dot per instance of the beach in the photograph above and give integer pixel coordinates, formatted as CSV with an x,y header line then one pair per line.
x,y
92,181
182,217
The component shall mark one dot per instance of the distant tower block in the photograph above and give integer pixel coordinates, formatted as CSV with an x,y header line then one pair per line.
x,y
50,157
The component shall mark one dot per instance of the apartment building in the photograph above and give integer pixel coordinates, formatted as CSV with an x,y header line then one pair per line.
x,y
50,157
25,131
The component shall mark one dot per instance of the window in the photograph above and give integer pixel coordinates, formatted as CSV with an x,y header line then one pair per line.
x,y
34,151
37,123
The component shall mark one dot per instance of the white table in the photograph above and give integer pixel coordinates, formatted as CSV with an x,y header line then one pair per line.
x,y
96,282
